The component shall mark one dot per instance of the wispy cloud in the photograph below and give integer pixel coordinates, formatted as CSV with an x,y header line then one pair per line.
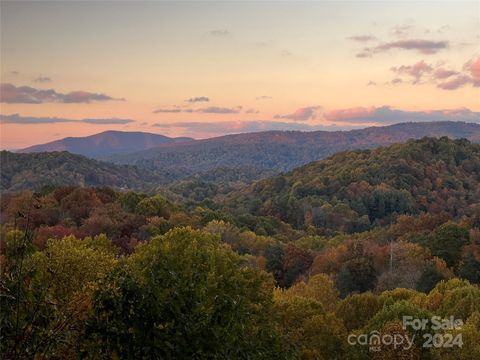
x,y
263,97
198,99
207,110
402,30
176,110
219,110
455,83
301,114
42,79
364,54
422,46
30,120
10,93
443,28
107,121
426,47
389,115
362,38
220,32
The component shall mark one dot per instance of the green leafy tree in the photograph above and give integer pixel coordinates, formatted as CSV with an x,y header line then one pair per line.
x,y
154,206
470,268
274,255
429,278
319,287
46,295
357,309
461,302
447,241
317,333
356,275
130,200
184,295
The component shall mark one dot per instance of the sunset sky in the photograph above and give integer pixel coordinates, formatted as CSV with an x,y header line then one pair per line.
x,y
205,69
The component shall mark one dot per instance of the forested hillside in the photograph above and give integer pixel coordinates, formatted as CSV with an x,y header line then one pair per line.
x,y
37,170
34,171
357,190
282,150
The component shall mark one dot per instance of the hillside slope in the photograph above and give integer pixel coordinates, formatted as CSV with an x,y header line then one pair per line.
x,y
282,150
355,190
33,171
105,143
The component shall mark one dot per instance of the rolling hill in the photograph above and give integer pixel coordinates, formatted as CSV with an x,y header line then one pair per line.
x,y
356,190
281,150
105,143
36,170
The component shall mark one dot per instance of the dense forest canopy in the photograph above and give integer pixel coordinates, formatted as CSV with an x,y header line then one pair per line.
x,y
285,268
355,190
37,170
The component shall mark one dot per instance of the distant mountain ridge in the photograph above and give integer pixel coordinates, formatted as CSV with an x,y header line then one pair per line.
x,y
282,150
192,168
105,143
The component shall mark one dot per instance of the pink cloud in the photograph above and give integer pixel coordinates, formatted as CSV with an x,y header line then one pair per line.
x,y
442,73
473,67
301,114
416,70
441,77
455,83
349,114
390,115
